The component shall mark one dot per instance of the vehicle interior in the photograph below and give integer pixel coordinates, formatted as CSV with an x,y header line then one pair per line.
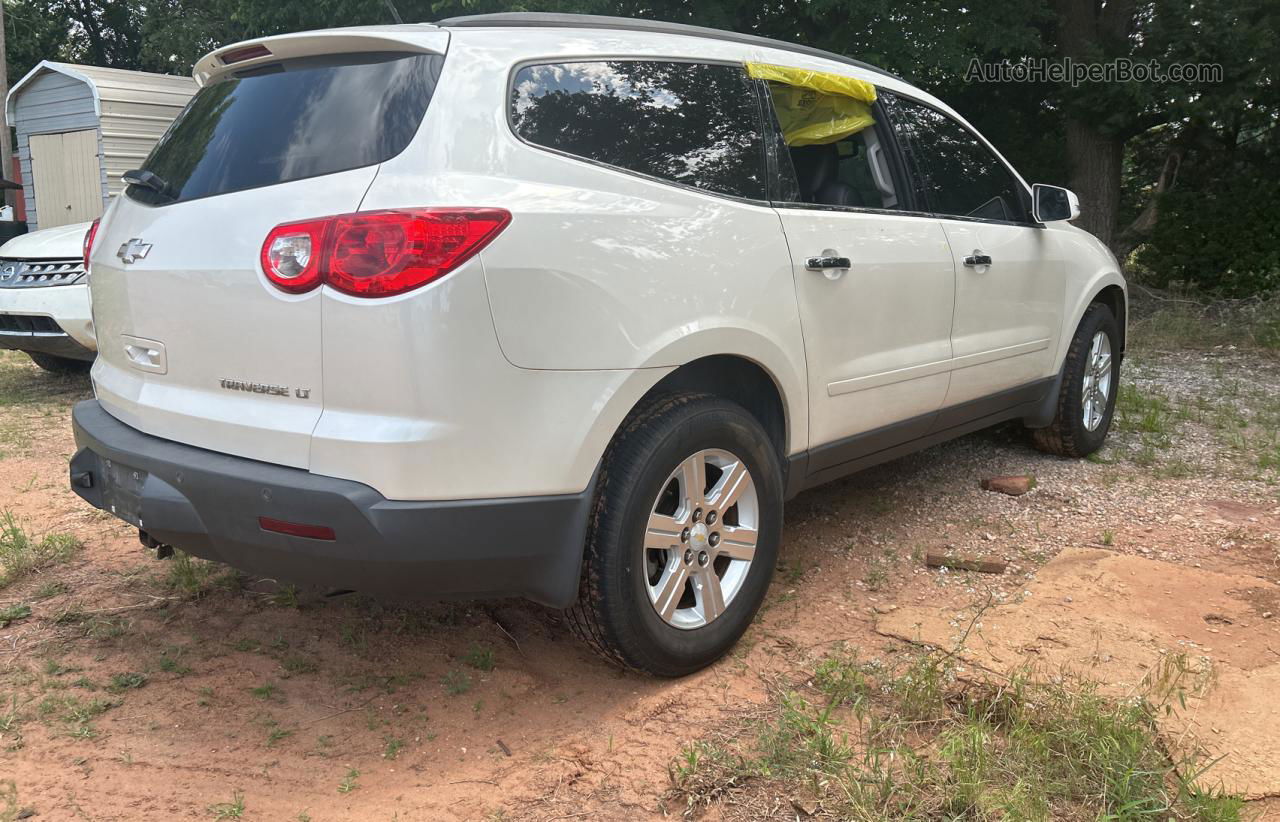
x,y
852,171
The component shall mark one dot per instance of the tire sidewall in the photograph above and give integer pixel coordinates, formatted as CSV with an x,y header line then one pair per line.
x,y
707,424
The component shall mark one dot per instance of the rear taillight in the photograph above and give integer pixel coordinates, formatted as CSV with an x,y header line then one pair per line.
x,y
88,242
377,253
291,255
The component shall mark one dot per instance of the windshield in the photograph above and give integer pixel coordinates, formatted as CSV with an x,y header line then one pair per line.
x,y
289,120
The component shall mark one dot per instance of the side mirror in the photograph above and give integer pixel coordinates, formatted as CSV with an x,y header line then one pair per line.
x,y
1051,204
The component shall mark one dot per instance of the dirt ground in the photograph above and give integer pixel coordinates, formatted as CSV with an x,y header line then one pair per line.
x,y
1157,563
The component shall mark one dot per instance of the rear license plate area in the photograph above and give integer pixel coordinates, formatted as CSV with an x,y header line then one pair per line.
x,y
122,491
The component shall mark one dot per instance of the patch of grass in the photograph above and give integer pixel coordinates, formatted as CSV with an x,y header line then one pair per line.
x,y
348,783
12,613
1184,320
1142,412
286,597
299,664
456,682
126,682
276,734
229,810
105,628
870,741
194,578
73,713
267,691
353,636
479,657
1108,537
21,554
49,589
171,661
392,748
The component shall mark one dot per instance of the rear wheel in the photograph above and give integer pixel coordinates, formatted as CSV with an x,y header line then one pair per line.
x,y
683,538
59,365
1090,383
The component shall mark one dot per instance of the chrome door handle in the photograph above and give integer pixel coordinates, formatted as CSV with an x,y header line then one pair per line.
x,y
824,263
975,260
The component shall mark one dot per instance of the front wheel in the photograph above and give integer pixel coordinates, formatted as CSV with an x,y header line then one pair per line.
x,y
1090,384
683,538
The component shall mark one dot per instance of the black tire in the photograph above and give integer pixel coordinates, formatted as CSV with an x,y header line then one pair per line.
x,y
613,613
59,365
1067,435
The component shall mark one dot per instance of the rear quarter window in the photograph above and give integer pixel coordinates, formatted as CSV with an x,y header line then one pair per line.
x,y
290,120
696,124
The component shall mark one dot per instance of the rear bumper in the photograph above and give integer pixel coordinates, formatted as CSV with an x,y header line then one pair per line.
x,y
67,305
208,504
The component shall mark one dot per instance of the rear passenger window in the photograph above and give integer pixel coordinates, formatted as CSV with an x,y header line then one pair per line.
x,y
958,174
695,124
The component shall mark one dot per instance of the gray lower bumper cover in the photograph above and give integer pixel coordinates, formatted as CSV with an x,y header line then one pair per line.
x,y
208,504
59,345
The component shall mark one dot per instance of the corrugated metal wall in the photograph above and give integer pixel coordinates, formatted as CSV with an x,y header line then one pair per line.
x,y
50,103
135,109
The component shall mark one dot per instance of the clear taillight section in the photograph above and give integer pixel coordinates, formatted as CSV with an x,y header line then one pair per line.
x,y
291,255
377,253
88,242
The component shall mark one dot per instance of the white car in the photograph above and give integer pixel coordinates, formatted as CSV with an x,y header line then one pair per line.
x,y
564,308
44,298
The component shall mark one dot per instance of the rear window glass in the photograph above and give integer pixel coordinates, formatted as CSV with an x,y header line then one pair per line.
x,y
289,120
696,124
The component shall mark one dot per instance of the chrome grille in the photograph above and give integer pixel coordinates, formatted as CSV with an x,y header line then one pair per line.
x,y
35,273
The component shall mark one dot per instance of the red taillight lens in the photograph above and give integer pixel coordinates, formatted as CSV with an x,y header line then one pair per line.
x,y
378,253
88,242
291,255
391,252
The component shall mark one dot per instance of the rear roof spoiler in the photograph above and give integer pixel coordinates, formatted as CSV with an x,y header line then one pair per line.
x,y
264,50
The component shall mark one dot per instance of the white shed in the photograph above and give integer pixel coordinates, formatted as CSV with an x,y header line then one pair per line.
x,y
80,128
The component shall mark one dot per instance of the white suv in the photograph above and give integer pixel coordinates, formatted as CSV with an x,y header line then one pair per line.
x,y
44,298
565,308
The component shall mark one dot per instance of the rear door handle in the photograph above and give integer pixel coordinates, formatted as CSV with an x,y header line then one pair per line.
x,y
975,260
824,263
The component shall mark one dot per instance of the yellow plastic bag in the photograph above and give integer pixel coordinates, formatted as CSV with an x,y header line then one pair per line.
x,y
816,107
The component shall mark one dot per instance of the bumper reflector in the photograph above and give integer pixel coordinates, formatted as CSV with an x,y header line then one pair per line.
x,y
296,529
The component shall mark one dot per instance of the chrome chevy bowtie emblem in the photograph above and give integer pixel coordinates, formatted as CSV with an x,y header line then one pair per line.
x,y
134,250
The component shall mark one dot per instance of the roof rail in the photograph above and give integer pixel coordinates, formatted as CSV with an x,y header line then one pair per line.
x,y
533,19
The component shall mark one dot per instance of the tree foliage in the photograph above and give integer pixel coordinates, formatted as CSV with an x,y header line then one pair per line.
x,y
1195,164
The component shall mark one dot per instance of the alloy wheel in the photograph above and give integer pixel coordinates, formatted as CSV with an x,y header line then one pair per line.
x,y
701,538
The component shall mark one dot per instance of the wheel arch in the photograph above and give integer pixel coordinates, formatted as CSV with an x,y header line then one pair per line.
x,y
1115,298
1107,287
740,380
